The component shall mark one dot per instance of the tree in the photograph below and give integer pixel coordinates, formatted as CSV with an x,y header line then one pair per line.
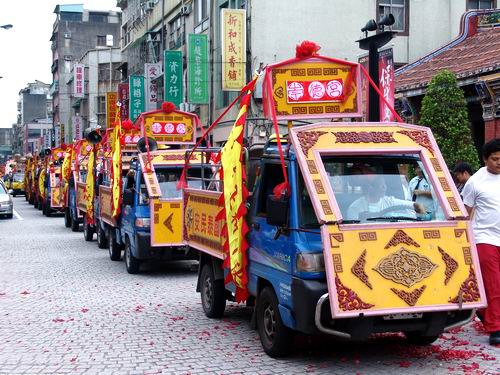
x,y
444,110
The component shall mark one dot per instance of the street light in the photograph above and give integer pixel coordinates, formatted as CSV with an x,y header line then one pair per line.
x,y
372,44
6,27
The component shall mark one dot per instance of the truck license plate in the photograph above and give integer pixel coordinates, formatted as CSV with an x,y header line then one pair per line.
x,y
402,316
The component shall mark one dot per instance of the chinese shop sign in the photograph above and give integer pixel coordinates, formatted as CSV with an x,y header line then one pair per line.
x,y
152,71
77,127
173,77
111,98
79,81
136,101
198,69
233,32
123,98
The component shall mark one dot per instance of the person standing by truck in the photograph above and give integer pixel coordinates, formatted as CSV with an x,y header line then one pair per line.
x,y
462,172
481,198
420,190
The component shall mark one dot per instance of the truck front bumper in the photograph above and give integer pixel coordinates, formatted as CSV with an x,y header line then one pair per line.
x,y
146,251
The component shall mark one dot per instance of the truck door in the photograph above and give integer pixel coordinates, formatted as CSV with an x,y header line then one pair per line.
x,y
267,250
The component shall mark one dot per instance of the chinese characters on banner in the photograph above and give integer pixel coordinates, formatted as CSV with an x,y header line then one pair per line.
x,y
152,71
386,83
233,32
46,138
123,98
111,98
63,135
79,81
173,77
77,127
136,99
57,135
198,69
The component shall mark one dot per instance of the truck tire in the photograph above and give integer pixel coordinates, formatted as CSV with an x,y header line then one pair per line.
x,y
47,209
102,241
213,293
416,338
9,216
75,225
67,218
40,205
275,337
114,248
132,264
88,231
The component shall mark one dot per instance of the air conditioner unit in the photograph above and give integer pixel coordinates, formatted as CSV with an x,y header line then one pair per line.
x,y
67,35
185,10
150,5
67,57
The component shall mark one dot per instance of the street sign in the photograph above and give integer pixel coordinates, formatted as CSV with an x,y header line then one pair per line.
x,y
136,101
198,69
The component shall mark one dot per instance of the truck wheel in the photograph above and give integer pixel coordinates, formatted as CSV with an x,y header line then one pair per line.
x,y
47,209
275,337
132,264
102,241
9,216
88,231
40,205
114,248
416,338
75,225
67,218
213,293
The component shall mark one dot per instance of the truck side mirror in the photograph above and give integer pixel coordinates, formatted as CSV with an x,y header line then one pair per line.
x,y
277,210
128,197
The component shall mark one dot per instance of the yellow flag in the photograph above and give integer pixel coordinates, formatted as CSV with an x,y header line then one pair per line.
x,y
89,188
41,183
116,177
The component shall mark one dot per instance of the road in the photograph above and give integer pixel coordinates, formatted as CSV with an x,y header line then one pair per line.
x,y
66,308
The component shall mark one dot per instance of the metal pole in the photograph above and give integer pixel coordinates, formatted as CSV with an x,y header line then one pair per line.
x,y
373,99
110,68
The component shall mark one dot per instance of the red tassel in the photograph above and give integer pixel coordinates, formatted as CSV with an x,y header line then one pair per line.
x,y
306,49
167,107
182,184
127,124
279,189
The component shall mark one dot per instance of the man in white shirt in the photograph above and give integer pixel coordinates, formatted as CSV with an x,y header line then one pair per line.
x,y
375,203
420,190
481,196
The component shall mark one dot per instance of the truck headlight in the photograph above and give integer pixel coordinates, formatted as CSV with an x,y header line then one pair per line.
x,y
310,262
142,222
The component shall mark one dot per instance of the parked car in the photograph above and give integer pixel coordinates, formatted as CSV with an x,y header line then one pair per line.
x,y
6,204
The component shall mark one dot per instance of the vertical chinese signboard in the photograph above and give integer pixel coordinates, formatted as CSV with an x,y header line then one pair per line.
x,y
198,69
136,99
123,97
79,81
386,83
173,77
151,72
77,127
111,99
233,32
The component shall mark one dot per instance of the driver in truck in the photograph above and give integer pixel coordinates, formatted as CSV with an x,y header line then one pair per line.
x,y
375,203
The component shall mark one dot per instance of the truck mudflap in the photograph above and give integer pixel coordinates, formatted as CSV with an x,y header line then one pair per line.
x,y
166,225
200,229
395,271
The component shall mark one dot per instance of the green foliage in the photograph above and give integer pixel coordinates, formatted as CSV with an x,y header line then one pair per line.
x,y
444,110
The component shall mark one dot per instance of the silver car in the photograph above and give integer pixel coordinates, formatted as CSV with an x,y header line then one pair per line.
x,y
6,204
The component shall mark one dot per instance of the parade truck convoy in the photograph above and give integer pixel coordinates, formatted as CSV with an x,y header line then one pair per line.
x,y
328,239
53,194
148,222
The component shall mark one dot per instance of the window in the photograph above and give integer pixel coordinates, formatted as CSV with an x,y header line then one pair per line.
x,y
176,34
480,4
379,188
98,17
399,9
202,8
101,41
101,104
70,16
271,177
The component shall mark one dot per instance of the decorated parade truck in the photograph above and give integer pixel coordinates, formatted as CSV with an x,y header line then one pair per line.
x,y
140,210
53,184
329,240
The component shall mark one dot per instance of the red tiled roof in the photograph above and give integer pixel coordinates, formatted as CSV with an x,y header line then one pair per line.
x,y
476,54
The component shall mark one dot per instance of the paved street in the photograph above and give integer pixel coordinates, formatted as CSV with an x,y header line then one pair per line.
x,y
66,308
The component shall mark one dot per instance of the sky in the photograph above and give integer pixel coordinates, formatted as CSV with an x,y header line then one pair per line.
x,y
26,55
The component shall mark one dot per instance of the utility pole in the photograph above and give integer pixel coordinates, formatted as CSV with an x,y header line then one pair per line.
x,y
372,44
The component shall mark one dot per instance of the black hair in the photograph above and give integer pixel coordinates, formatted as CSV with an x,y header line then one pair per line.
x,y
491,147
463,167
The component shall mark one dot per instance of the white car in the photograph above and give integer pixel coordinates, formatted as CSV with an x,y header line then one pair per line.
x,y
6,204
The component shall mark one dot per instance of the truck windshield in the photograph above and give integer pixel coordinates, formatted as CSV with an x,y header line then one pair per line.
x,y
18,177
382,188
169,177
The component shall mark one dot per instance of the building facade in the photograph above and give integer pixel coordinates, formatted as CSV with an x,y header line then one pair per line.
x,y
75,31
33,129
